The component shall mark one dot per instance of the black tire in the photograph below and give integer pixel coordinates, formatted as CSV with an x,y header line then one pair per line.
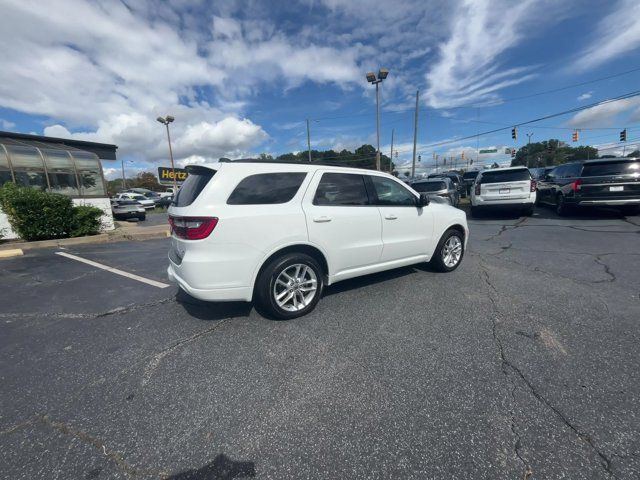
x,y
142,217
630,210
475,211
562,209
528,211
437,260
264,293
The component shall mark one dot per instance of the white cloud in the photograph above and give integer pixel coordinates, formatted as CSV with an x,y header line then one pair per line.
x,y
603,115
616,34
469,67
585,96
6,124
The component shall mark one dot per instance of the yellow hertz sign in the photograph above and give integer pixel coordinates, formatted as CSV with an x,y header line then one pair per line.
x,y
165,175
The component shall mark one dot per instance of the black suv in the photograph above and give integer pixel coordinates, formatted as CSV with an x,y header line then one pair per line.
x,y
613,182
455,178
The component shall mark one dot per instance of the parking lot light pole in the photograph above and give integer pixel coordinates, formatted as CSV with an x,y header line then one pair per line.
x,y
166,121
529,135
371,78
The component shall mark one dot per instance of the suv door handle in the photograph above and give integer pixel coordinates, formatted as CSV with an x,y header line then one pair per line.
x,y
390,216
322,219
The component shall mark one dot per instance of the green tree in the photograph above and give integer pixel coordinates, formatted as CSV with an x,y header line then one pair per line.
x,y
635,153
551,152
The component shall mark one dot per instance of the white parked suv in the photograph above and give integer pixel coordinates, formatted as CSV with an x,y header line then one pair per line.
x,y
278,233
512,188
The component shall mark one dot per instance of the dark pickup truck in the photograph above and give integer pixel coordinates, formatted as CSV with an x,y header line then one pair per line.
x,y
613,182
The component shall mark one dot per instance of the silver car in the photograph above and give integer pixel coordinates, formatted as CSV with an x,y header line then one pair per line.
x,y
441,188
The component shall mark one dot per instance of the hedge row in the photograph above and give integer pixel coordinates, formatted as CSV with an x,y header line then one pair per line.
x,y
37,215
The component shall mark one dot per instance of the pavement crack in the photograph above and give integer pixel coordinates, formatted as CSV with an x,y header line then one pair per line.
x,y
607,270
507,366
153,364
504,228
113,455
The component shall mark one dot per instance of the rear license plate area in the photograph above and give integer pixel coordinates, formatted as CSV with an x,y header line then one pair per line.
x,y
617,188
504,191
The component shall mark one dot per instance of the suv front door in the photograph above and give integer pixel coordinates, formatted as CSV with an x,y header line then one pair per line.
x,y
406,229
343,221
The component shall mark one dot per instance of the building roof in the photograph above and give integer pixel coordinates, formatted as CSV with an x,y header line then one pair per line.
x,y
104,151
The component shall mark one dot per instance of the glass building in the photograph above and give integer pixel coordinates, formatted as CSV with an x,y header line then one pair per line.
x,y
69,167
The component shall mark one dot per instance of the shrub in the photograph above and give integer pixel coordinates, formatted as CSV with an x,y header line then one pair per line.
x,y
86,221
36,215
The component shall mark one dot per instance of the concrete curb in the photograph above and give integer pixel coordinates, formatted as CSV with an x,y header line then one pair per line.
x,y
14,252
118,235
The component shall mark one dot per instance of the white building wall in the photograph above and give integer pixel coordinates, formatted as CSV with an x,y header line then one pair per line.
x,y
102,203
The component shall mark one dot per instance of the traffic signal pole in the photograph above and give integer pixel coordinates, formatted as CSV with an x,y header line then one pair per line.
x,y
415,136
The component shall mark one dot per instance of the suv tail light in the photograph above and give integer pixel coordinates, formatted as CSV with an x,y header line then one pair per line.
x,y
192,228
533,186
477,189
577,185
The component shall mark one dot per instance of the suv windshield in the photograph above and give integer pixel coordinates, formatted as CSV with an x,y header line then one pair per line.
x,y
193,185
621,167
499,176
424,187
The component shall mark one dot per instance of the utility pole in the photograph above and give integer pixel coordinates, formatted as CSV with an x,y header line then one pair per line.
x,y
391,156
529,135
371,78
415,136
308,141
124,182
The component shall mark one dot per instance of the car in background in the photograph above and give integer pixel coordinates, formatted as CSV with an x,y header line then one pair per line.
x,y
467,180
165,202
455,178
144,201
504,188
438,187
123,209
539,173
611,182
150,194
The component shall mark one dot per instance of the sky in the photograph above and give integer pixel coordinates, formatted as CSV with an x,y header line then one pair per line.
x,y
242,77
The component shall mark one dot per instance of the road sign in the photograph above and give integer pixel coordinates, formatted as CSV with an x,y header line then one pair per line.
x,y
491,150
165,175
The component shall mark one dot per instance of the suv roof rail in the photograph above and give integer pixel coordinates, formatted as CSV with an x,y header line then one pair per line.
x,y
328,163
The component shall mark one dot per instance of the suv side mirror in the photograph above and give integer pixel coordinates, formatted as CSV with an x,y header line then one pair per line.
x,y
423,201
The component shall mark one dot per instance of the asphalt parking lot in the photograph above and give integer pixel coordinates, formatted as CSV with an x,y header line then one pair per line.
x,y
524,359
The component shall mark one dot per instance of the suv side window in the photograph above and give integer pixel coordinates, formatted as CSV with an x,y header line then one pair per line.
x,y
341,190
574,170
390,192
266,188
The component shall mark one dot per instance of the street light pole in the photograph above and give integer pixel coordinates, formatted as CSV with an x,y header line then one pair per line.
x,y
371,78
124,182
166,121
529,135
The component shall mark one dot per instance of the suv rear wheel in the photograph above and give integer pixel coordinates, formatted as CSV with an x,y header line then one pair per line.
x,y
449,252
290,286
562,209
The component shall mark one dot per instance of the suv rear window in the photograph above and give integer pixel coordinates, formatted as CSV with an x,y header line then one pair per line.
x,y
267,188
424,187
193,185
341,189
500,176
470,175
622,167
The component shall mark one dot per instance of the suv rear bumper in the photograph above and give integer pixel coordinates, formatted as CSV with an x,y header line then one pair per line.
x,y
230,294
524,201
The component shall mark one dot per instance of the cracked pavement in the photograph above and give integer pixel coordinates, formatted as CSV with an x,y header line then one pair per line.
x,y
523,363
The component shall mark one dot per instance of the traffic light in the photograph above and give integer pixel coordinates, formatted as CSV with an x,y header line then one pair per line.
x,y
419,158
462,155
513,153
444,161
623,135
514,133
575,136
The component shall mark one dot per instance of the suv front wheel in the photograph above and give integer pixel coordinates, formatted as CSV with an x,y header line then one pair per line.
x,y
449,252
290,286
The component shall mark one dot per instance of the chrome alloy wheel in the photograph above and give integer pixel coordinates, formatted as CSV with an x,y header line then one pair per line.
x,y
452,251
295,287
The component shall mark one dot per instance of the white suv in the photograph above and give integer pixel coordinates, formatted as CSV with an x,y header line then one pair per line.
x,y
278,233
504,188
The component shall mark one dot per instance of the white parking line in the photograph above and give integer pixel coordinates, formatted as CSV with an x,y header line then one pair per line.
x,y
114,270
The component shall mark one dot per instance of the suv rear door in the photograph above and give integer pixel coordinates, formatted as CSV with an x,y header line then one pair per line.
x,y
342,220
505,184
